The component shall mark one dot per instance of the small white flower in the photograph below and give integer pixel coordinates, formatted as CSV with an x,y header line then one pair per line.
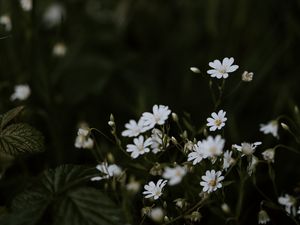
x,y
289,202
211,181
263,217
6,22
133,128
194,69
270,128
227,160
83,140
225,207
216,121
59,49
26,5
247,76
54,15
133,186
174,175
139,147
159,115
197,154
247,148
108,171
269,155
221,70
21,92
156,214
252,165
154,190
213,146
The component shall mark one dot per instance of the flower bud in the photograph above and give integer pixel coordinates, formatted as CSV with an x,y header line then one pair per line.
x,y
195,69
247,76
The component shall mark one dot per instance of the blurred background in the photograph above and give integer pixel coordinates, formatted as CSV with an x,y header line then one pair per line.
x,y
85,59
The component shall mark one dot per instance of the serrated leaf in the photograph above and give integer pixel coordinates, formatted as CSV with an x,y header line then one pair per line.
x,y
62,194
10,115
21,138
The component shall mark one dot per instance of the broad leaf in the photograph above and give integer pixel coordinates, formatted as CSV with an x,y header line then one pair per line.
x,y
62,195
20,138
10,115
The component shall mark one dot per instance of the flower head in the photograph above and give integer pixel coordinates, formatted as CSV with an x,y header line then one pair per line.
x,y
227,160
154,190
197,154
159,115
174,175
54,15
211,181
139,147
247,148
247,76
252,165
269,155
21,92
133,128
216,121
6,22
26,5
263,217
83,139
221,70
213,146
270,128
156,214
289,202
59,49
107,171
157,141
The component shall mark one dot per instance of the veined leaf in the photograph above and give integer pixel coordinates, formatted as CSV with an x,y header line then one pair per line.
x,y
61,195
10,115
20,138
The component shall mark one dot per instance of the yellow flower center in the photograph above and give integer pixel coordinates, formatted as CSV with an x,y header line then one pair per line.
x,y
213,183
218,122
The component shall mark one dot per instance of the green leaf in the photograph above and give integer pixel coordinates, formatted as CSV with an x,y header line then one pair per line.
x,y
62,195
10,115
21,138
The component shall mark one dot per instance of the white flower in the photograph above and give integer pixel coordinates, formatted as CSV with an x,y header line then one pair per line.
x,y
154,190
6,22
225,207
217,121
139,147
108,171
197,154
174,175
289,202
298,212
247,148
252,165
263,217
133,128
222,69
269,155
211,181
213,146
54,15
227,160
157,141
156,214
59,49
26,5
247,76
159,116
21,92
133,186
83,140
270,128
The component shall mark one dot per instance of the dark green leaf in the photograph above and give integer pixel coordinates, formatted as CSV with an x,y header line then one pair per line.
x,y
21,138
10,115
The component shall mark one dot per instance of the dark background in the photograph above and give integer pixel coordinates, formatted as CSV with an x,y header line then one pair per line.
x,y
126,55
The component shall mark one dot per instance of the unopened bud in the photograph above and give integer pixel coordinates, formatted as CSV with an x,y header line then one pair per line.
x,y
285,126
195,69
174,141
225,208
247,76
175,117
296,109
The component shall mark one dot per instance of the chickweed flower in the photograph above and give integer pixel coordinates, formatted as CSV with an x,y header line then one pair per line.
x,y
133,128
133,186
26,5
211,181
225,208
108,171
247,76
263,217
269,155
252,165
54,15
59,49
289,202
83,140
156,214
197,154
221,70
5,21
174,175
213,146
227,160
216,121
157,141
247,148
139,147
21,92
270,128
159,115
153,190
